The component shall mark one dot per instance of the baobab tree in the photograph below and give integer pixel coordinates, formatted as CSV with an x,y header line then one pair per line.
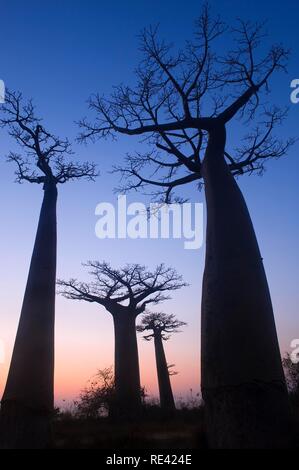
x,y
181,105
28,399
160,326
125,293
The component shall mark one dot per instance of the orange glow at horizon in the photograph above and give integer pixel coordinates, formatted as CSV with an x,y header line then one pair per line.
x,y
85,344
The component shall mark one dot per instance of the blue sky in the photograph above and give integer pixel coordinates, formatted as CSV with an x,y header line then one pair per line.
x,y
58,53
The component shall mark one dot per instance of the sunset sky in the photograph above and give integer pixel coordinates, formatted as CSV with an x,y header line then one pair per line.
x,y
58,53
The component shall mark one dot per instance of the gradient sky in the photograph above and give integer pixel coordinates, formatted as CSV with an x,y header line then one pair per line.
x,y
59,52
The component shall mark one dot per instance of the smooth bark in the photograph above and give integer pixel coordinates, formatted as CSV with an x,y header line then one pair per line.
x,y
166,396
127,373
28,399
243,383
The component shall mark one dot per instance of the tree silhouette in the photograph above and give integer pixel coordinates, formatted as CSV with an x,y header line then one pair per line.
x,y
161,327
97,396
28,402
125,293
182,104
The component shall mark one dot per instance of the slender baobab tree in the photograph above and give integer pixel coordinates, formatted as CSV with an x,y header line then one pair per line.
x,y
125,293
28,402
161,326
182,105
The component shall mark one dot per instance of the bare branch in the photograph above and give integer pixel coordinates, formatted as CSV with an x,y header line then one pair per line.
x,y
44,156
260,145
160,325
130,288
181,95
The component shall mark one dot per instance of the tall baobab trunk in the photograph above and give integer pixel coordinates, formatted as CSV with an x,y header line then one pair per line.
x,y
28,399
127,374
165,390
242,377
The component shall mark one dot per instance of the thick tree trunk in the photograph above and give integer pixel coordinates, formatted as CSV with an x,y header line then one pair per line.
x,y
127,374
28,399
165,390
243,383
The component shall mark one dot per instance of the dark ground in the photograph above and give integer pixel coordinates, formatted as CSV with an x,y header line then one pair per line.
x,y
185,431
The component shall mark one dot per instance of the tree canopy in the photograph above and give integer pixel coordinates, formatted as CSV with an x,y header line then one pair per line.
x,y
132,287
45,157
159,323
180,96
